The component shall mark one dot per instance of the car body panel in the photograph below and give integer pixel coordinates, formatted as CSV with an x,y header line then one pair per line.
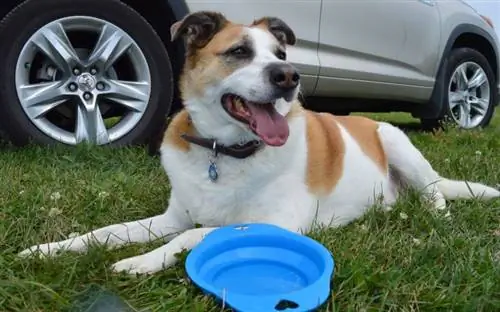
x,y
357,49
302,16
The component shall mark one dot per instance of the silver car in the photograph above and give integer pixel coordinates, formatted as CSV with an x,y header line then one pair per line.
x,y
105,71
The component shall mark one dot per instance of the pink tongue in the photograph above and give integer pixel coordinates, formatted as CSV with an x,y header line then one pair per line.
x,y
268,124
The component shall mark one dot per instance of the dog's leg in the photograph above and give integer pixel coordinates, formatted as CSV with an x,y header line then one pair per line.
x,y
161,226
164,256
289,213
409,162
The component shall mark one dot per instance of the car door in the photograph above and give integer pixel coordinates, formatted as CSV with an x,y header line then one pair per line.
x,y
378,45
302,16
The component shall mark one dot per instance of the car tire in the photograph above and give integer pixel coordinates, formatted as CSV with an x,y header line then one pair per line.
x,y
137,35
473,62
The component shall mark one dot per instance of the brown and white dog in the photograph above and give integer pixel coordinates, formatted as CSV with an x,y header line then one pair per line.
x,y
243,150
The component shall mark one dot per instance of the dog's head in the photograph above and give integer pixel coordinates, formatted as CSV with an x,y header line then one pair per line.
x,y
237,84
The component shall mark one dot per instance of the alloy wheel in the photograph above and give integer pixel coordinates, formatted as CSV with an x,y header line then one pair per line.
x,y
83,79
469,95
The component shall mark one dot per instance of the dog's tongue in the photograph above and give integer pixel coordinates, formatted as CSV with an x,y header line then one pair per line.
x,y
268,124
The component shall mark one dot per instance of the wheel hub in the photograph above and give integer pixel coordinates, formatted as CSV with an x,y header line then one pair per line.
x,y
86,82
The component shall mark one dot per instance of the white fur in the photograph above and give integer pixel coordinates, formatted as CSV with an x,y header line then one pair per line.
x,y
267,187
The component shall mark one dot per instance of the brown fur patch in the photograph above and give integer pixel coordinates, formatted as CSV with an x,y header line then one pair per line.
x,y
204,66
325,153
262,23
364,131
180,124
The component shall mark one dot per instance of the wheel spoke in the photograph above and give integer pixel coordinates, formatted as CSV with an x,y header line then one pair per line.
x,y
90,125
132,94
455,98
54,43
112,43
478,79
479,105
38,99
462,80
464,117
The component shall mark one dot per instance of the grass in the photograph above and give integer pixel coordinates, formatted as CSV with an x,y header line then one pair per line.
x,y
409,259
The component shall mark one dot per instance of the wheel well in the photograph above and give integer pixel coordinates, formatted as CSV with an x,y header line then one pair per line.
x,y
480,44
160,15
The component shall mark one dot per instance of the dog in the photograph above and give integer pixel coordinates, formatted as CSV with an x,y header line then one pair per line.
x,y
244,150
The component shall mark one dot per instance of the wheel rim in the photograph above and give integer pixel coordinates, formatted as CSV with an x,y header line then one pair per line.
x,y
469,95
83,79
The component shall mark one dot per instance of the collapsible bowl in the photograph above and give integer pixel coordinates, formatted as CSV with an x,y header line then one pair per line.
x,y
262,268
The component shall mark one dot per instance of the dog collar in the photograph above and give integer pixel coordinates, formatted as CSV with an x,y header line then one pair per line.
x,y
236,150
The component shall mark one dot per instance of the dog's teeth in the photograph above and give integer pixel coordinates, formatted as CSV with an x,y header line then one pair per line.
x,y
238,104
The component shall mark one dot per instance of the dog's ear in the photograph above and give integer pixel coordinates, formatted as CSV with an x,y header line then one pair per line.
x,y
198,28
278,28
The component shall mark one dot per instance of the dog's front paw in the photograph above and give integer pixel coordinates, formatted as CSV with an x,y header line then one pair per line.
x,y
40,251
138,265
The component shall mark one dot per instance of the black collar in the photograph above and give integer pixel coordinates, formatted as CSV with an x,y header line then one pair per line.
x,y
236,150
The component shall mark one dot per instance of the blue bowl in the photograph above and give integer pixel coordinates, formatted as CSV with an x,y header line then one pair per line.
x,y
262,268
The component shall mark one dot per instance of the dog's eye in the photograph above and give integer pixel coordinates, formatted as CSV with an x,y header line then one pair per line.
x,y
281,55
240,51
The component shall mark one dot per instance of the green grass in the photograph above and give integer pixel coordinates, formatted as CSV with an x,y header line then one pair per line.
x,y
409,259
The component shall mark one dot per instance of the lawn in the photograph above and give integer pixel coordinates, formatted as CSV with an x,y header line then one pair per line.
x,y
408,259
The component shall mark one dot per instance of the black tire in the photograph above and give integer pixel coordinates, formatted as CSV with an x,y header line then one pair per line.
x,y
457,57
23,21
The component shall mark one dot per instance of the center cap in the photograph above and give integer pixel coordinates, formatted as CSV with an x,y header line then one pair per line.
x,y
86,82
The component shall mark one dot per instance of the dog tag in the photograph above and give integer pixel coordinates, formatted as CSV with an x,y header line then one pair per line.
x,y
212,172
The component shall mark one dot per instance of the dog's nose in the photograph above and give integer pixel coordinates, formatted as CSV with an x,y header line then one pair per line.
x,y
284,76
